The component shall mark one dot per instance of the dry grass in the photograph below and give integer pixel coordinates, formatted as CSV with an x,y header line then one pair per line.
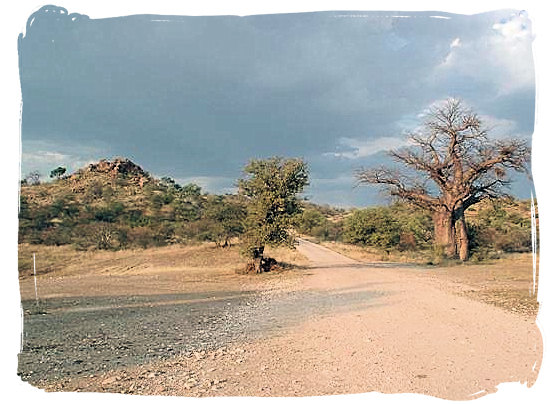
x,y
67,261
64,271
372,254
507,282
287,257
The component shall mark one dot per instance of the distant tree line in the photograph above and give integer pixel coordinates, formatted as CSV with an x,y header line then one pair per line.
x,y
494,227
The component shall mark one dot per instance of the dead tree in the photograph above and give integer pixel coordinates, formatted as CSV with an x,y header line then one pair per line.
x,y
450,166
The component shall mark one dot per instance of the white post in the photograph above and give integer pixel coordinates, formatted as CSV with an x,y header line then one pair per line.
x,y
34,270
534,243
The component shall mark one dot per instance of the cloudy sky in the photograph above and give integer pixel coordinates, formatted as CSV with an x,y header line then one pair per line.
x,y
195,98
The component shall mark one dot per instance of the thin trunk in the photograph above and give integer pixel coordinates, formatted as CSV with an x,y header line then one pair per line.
x,y
444,232
258,257
462,233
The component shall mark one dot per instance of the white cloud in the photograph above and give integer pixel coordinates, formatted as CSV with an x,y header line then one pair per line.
x,y
501,128
497,128
42,156
214,184
456,43
503,56
364,148
515,27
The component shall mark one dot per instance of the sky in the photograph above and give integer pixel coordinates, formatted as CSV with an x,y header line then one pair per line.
x,y
195,98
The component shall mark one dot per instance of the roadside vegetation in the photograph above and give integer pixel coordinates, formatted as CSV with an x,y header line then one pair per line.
x,y
450,203
116,205
403,233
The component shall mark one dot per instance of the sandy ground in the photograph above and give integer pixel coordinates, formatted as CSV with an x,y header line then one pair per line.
x,y
345,327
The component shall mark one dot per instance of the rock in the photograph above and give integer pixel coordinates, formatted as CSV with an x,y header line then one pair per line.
x,y
188,386
109,380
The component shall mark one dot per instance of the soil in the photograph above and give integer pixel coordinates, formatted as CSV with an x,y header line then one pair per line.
x,y
338,326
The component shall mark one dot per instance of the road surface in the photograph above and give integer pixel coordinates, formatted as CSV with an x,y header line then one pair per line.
x,y
344,327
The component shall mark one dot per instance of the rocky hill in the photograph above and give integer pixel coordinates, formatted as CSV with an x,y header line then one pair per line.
x,y
111,204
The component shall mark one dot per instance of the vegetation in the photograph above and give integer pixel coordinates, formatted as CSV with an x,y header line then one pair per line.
x,y
116,205
452,166
403,231
397,226
270,188
58,172
325,223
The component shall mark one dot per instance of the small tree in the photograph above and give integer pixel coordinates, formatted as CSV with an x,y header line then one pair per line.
x,y
32,178
191,190
271,187
452,165
58,172
226,219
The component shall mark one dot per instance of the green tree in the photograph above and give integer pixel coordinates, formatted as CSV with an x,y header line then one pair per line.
x,y
375,227
271,187
58,172
191,189
498,227
225,218
311,219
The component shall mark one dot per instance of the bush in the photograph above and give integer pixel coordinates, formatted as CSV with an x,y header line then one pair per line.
x,y
140,236
398,226
373,227
498,227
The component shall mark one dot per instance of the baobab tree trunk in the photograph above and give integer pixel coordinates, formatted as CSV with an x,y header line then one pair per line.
x,y
444,231
462,233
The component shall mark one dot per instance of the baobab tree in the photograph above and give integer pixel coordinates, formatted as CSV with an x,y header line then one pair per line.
x,y
450,166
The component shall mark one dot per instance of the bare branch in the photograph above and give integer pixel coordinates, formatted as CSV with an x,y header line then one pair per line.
x,y
513,154
415,193
452,150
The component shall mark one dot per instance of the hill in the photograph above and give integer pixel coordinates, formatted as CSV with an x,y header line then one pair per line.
x,y
116,204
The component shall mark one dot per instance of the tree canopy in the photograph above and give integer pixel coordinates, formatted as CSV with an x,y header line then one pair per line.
x,y
271,187
451,165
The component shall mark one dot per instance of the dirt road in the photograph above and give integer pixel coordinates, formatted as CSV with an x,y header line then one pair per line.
x,y
342,327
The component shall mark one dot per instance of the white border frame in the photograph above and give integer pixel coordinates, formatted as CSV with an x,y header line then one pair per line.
x,y
15,18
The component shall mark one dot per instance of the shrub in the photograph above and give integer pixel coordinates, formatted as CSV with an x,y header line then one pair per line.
x,y
499,227
373,227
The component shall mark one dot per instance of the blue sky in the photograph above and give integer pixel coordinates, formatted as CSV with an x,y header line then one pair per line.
x,y
195,97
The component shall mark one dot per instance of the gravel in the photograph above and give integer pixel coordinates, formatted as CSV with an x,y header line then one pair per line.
x,y
66,338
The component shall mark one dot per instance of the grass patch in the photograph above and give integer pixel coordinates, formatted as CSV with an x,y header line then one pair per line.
x,y
506,282
370,254
67,260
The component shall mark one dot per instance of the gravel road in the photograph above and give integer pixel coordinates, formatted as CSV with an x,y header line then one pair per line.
x,y
342,327
72,337
65,338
